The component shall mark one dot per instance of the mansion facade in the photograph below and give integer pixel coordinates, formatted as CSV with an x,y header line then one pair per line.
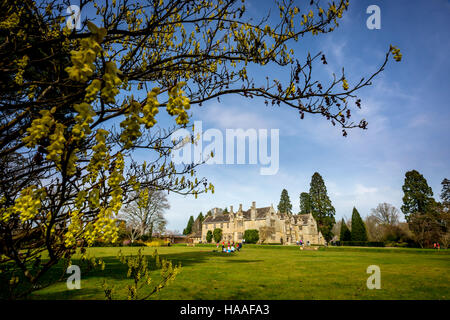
x,y
273,226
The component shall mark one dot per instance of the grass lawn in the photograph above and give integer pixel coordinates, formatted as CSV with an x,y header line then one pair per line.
x,y
276,272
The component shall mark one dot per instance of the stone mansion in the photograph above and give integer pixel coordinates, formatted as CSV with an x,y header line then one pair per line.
x,y
273,226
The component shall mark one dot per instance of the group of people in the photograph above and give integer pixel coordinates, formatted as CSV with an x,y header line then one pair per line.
x,y
437,245
229,247
301,243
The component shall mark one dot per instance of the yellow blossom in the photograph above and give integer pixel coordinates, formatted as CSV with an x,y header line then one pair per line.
x,y
345,84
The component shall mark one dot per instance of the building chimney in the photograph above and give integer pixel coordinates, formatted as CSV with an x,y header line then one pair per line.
x,y
253,211
240,207
231,214
214,212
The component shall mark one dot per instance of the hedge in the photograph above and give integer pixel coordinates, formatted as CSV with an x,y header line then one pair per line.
x,y
251,236
360,243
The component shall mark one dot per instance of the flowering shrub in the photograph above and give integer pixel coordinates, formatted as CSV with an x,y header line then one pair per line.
x,y
139,273
157,243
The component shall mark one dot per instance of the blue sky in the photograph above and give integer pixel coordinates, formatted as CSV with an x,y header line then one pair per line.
x,y
407,108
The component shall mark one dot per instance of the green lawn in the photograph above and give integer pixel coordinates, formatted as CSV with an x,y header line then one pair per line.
x,y
277,272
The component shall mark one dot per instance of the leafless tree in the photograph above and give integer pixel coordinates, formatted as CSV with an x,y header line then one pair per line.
x,y
375,230
265,233
444,221
445,240
145,214
336,230
386,214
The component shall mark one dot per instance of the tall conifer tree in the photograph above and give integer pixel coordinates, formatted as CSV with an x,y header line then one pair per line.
x,y
445,194
345,235
418,196
321,207
305,203
359,232
285,205
188,228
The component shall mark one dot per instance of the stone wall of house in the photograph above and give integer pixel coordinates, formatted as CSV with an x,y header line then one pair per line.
x,y
288,228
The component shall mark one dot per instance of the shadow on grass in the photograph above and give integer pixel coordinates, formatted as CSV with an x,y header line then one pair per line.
x,y
196,257
116,271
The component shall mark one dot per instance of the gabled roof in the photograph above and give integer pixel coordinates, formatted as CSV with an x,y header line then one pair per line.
x,y
217,219
262,212
197,234
220,218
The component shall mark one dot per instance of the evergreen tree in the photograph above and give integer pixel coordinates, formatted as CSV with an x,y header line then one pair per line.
x,y
359,232
200,217
345,234
305,203
445,194
188,228
217,234
225,211
209,236
251,236
321,207
285,205
418,196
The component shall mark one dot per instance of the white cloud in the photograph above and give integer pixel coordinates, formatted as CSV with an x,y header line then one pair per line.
x,y
230,116
364,198
361,190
